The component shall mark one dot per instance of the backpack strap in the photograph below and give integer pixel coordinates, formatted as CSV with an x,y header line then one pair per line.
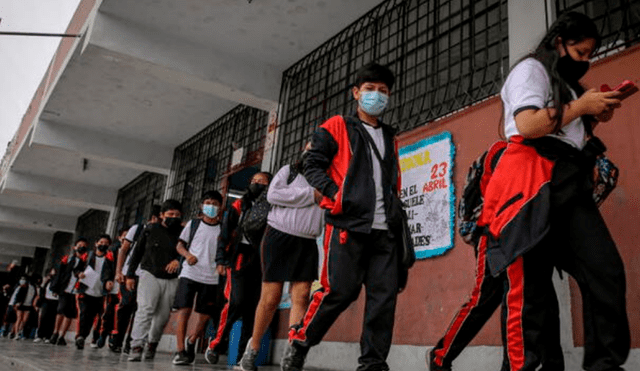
x,y
193,228
293,174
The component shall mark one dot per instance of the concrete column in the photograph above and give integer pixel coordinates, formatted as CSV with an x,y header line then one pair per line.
x,y
527,25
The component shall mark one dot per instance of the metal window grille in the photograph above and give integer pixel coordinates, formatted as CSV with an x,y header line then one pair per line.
x,y
618,21
446,55
91,224
135,199
200,163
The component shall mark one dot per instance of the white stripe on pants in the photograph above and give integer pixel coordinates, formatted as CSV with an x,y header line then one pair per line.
x,y
155,298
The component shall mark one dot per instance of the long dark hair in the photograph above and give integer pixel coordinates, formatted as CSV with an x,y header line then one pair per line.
x,y
570,26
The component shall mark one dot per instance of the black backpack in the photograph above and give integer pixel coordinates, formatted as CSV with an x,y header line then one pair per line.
x,y
254,222
472,199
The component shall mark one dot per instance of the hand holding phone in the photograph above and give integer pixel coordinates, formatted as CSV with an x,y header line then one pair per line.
x,y
626,89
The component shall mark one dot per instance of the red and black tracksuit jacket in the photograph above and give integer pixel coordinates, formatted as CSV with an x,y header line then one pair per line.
x,y
70,265
538,214
339,164
333,165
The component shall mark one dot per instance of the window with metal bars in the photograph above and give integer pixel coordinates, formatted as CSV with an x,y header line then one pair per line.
x,y
135,200
618,21
200,163
446,55
91,224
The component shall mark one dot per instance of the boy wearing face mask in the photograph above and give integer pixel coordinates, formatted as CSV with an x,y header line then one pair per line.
x,y
343,165
157,257
91,297
239,260
198,280
64,284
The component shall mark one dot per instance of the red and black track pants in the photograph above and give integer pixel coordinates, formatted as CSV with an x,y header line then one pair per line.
x,y
90,309
580,244
242,293
125,312
350,260
486,296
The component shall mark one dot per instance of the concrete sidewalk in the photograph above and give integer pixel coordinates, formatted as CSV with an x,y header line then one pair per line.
x,y
27,356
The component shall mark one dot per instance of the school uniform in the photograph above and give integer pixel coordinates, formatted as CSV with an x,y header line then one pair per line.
x,y
199,282
91,298
126,308
359,249
289,252
48,309
543,216
243,280
65,283
156,287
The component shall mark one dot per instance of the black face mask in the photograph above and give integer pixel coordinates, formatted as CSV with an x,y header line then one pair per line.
x,y
102,248
81,250
570,69
173,223
256,189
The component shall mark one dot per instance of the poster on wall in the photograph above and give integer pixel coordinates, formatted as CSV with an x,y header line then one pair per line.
x,y
428,193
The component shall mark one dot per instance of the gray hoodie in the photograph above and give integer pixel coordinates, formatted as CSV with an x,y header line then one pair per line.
x,y
293,209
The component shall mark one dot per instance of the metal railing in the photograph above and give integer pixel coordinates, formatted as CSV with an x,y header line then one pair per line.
x,y
618,21
200,163
446,55
135,200
91,224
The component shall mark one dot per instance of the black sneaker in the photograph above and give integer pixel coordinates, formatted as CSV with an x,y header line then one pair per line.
x,y
80,342
191,351
135,355
12,335
430,363
181,358
61,341
52,340
150,352
211,356
101,342
127,347
248,361
293,357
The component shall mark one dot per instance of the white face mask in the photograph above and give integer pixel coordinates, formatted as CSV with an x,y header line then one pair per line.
x,y
210,210
22,282
373,102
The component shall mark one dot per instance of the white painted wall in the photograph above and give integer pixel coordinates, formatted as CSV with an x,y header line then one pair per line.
x,y
25,59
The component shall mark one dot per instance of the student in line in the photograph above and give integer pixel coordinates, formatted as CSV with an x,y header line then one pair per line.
x,y
120,340
64,284
22,302
158,259
539,212
198,280
48,302
238,258
289,251
359,249
91,295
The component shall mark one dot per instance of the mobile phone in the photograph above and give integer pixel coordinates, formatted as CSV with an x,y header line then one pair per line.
x,y
626,88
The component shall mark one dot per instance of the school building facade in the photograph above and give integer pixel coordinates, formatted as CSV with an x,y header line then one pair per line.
x,y
156,100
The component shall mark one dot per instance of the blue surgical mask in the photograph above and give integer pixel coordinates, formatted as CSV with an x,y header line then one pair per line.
x,y
210,210
373,102
22,282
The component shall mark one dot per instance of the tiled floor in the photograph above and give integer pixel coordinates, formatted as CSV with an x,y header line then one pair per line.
x,y
27,356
